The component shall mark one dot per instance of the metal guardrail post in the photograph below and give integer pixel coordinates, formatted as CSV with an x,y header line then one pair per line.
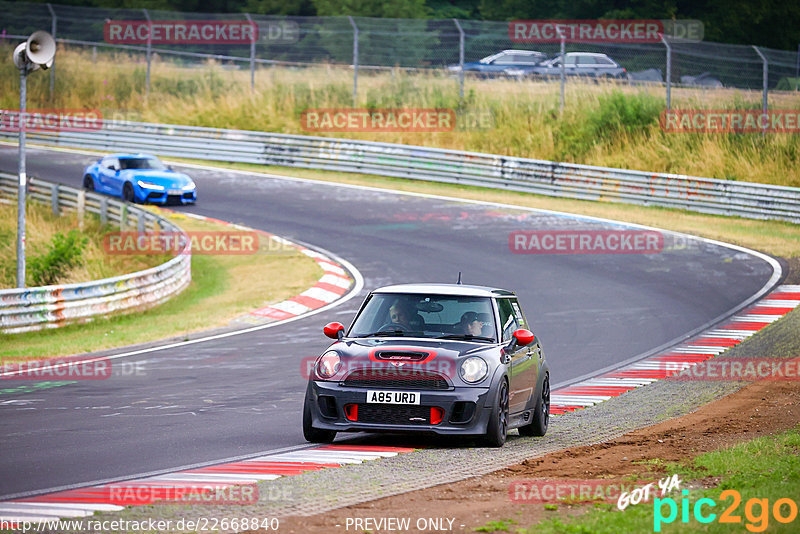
x,y
765,91
355,61
81,207
103,211
669,72
149,52
123,217
252,57
53,33
140,223
460,60
54,190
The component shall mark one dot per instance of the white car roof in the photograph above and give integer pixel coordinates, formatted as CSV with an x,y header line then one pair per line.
x,y
446,289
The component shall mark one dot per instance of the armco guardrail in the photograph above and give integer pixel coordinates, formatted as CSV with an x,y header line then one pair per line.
x,y
34,308
707,195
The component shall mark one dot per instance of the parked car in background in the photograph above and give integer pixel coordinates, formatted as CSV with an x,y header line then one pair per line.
x,y
587,64
139,178
705,79
497,64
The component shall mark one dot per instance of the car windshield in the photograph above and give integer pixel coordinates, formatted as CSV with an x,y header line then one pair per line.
x,y
425,315
141,163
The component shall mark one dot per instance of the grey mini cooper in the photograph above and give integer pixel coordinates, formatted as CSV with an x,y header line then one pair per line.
x,y
438,358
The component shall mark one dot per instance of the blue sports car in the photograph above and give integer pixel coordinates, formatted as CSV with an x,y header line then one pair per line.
x,y
139,178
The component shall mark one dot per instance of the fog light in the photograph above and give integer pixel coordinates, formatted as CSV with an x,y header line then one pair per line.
x,y
351,412
437,414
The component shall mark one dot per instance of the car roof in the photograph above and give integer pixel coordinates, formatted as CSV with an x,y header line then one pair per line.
x,y
446,289
595,54
128,155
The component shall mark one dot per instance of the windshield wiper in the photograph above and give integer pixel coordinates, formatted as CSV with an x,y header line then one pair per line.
x,y
466,337
396,332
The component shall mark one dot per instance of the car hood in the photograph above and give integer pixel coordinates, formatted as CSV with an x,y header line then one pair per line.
x,y
408,356
165,178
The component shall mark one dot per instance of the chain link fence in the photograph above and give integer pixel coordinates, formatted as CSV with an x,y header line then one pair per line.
x,y
374,44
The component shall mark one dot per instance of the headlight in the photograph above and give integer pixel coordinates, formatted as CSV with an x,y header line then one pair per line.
x,y
329,364
473,369
188,187
148,185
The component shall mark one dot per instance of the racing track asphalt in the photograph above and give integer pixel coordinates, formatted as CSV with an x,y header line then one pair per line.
x,y
243,394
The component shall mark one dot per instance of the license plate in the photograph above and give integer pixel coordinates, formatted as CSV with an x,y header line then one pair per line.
x,y
393,397
175,192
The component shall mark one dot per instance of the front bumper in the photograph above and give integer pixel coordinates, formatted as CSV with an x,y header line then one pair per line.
x,y
327,400
163,197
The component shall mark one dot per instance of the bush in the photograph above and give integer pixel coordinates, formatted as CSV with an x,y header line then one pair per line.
x,y
63,253
614,115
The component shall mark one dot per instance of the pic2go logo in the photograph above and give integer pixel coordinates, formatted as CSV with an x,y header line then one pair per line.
x,y
756,511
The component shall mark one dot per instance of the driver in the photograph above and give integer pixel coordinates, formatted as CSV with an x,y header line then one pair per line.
x,y
400,314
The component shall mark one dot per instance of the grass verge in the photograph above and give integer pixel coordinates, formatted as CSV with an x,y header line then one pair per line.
x,y
607,124
222,287
48,261
752,478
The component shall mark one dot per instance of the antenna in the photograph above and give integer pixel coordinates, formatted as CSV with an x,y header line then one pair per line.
x,y
459,278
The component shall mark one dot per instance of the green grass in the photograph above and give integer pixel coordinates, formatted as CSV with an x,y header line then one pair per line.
x,y
222,287
764,468
496,526
41,228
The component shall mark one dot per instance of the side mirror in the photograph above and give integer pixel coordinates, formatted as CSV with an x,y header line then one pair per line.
x,y
334,331
523,337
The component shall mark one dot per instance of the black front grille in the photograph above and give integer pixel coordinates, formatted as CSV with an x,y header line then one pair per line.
x,y
395,378
173,199
388,414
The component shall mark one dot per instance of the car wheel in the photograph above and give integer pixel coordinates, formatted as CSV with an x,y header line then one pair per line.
x,y
498,422
315,435
88,183
541,414
127,193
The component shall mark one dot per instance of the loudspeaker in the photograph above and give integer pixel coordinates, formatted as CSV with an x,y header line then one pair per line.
x,y
41,48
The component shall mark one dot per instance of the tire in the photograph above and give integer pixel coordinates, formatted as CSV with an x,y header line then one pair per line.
x,y
498,422
541,414
128,194
88,183
315,435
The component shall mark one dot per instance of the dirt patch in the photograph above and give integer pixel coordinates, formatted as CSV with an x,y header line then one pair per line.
x,y
758,409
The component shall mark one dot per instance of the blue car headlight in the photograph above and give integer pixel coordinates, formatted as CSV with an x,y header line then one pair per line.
x,y
148,185
189,187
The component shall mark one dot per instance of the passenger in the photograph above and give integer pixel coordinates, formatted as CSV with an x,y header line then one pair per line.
x,y
471,324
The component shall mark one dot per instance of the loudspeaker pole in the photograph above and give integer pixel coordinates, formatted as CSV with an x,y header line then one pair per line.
x,y
23,179
37,52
